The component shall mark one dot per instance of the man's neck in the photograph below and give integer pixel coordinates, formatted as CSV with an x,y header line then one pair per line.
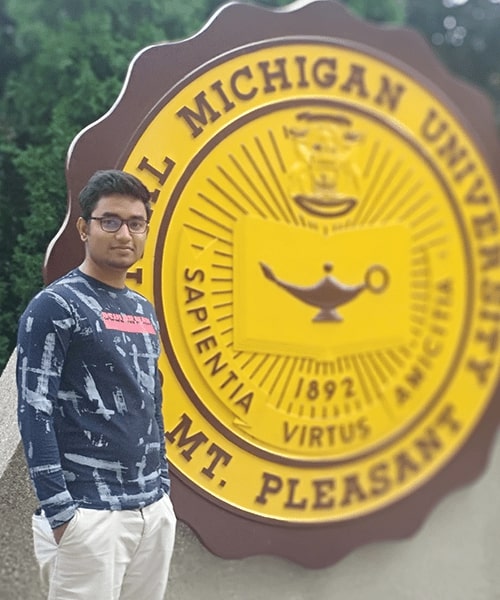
x,y
112,278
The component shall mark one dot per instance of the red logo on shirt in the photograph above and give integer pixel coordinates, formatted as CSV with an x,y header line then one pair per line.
x,y
128,323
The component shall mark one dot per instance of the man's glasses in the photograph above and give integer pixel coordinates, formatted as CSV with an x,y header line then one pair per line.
x,y
113,224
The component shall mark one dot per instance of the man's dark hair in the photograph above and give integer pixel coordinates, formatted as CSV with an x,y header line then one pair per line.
x,y
109,183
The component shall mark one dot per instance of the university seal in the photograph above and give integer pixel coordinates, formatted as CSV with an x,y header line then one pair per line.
x,y
324,258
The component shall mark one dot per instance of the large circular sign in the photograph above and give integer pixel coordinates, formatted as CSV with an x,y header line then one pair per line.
x,y
323,258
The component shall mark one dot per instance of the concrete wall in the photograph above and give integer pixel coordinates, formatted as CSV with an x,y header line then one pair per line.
x,y
454,556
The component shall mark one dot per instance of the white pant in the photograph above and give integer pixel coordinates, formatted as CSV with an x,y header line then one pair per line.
x,y
108,555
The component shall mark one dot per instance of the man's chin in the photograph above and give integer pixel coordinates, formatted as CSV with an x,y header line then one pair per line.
x,y
121,265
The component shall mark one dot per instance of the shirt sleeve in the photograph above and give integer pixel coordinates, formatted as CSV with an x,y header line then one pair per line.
x,y
164,474
44,334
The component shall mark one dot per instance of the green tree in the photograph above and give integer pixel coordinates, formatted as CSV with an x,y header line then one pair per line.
x,y
382,11
464,34
8,62
63,68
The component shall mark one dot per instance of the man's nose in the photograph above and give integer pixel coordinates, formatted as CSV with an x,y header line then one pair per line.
x,y
123,230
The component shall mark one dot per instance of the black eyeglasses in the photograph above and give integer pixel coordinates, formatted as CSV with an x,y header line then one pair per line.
x,y
113,224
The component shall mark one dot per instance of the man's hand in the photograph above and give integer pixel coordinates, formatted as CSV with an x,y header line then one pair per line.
x,y
59,531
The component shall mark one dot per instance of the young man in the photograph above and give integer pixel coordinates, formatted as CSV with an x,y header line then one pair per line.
x,y
90,412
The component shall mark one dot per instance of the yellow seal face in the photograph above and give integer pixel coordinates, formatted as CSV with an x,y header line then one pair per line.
x,y
323,258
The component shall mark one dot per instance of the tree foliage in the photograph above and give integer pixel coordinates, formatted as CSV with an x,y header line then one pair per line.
x,y
382,11
63,63
465,37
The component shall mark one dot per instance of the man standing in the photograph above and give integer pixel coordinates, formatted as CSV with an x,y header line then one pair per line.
x,y
90,412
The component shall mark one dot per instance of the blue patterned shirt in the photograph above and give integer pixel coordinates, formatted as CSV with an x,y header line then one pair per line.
x,y
89,393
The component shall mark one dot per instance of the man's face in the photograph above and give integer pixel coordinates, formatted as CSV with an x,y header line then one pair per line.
x,y
116,251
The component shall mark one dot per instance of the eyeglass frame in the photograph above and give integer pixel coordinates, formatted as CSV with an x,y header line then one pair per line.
x,y
122,221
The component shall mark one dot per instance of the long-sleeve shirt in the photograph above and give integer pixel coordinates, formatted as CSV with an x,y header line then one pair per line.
x,y
89,398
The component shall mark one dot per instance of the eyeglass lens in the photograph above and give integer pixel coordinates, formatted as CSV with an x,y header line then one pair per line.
x,y
113,224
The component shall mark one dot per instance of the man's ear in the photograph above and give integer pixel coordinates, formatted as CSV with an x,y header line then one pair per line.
x,y
81,225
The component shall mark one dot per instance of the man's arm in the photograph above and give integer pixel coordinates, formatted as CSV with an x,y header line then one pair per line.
x,y
165,477
43,338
